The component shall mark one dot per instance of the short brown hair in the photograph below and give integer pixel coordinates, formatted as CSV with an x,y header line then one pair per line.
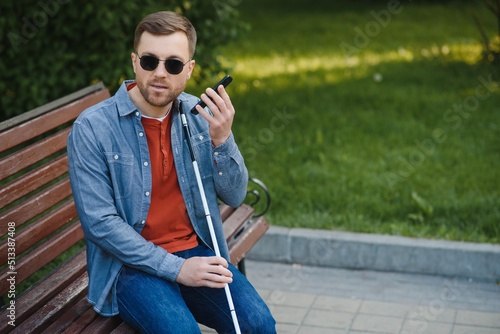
x,y
166,23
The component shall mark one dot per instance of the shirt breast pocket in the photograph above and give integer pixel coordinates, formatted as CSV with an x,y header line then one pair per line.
x,y
121,170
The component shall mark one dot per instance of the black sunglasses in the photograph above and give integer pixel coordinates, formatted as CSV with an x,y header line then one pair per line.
x,y
150,63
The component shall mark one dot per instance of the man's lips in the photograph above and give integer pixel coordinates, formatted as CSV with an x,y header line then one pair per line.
x,y
159,87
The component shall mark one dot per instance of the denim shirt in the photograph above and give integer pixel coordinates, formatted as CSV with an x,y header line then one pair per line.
x,y
111,181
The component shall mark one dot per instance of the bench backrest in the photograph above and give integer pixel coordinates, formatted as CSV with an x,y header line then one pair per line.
x,y
37,214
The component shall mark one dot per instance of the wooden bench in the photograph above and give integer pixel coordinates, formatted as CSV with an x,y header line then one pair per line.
x,y
41,244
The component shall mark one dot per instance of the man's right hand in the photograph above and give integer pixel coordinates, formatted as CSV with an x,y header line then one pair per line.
x,y
210,271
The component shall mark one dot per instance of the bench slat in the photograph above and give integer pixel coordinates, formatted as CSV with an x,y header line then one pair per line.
x,y
36,205
43,317
248,238
67,321
102,325
43,254
233,223
40,294
123,329
225,211
43,123
33,153
81,322
34,233
33,180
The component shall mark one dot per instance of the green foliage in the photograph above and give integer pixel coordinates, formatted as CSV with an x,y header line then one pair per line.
x,y
50,48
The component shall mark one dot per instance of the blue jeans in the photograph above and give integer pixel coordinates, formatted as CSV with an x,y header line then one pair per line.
x,y
154,305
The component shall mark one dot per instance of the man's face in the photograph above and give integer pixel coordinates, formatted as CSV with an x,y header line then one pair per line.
x,y
158,87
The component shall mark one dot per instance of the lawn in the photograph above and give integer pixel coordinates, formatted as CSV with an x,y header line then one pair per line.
x,y
364,117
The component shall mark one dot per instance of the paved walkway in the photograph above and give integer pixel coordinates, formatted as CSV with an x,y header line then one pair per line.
x,y
316,300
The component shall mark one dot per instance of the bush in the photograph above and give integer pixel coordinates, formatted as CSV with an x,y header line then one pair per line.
x,y
54,47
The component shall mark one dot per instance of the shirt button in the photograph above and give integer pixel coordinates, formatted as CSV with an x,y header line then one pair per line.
x,y
216,153
146,163
116,157
137,113
143,222
147,193
200,137
141,134
220,173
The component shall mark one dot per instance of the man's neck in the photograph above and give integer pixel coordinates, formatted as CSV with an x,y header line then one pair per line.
x,y
146,108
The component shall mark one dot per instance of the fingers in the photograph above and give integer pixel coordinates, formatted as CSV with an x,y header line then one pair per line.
x,y
218,102
214,272
205,271
217,261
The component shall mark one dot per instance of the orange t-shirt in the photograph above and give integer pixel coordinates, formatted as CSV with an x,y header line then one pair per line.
x,y
168,224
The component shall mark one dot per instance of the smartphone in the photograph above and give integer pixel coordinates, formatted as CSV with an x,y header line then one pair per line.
x,y
224,82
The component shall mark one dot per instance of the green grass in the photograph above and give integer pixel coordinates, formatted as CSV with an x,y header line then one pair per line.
x,y
367,143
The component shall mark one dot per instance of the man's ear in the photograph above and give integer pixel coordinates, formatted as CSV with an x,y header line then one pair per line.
x,y
133,56
191,65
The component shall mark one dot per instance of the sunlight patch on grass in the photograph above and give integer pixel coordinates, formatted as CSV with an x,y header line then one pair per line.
x,y
265,67
260,67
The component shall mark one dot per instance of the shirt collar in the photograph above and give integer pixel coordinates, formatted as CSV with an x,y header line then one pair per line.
x,y
123,100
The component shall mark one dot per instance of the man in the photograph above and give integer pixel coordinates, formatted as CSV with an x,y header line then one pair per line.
x,y
149,253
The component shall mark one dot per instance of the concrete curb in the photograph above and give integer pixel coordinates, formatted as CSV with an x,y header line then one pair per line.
x,y
378,252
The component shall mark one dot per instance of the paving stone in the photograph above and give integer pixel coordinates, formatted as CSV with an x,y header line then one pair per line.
x,y
286,328
290,299
323,318
288,314
426,327
319,330
376,323
478,319
384,308
429,313
462,329
335,304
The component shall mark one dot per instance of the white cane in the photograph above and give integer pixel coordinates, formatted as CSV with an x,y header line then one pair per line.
x,y
208,216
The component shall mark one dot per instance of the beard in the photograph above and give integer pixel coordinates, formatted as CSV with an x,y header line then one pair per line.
x,y
159,99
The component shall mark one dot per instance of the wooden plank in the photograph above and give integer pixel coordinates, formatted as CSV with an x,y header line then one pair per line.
x,y
35,205
29,182
81,322
225,211
102,325
234,222
252,232
44,316
30,155
124,329
24,117
39,230
40,120
43,254
39,295
82,309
